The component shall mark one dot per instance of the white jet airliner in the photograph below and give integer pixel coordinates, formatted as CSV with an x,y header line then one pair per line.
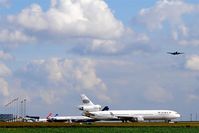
x,y
70,119
36,118
87,106
94,111
134,115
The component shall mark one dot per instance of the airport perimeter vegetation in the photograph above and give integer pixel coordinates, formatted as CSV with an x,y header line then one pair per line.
x,y
102,130
135,127
95,124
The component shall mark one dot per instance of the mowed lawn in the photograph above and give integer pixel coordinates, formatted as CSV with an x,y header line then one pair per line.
x,y
103,130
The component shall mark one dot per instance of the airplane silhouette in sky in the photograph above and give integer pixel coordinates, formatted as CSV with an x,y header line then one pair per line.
x,y
175,53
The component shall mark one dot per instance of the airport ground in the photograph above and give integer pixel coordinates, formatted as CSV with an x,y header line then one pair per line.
x,y
145,127
102,130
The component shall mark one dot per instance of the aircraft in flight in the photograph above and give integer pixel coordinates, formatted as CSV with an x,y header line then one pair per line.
x,y
175,53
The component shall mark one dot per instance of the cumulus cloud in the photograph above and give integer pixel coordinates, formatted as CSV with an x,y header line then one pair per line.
x,y
8,36
192,97
88,23
193,63
4,89
125,44
4,72
158,94
4,3
79,18
172,16
54,78
165,10
5,56
194,42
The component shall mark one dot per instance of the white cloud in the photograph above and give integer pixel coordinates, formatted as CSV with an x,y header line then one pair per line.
x,y
128,42
88,23
4,89
165,10
172,17
50,96
194,42
158,94
4,3
54,78
79,18
107,46
4,72
192,97
7,36
5,56
193,63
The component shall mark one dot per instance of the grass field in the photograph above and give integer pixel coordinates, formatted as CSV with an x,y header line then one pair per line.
x,y
145,127
103,130
99,124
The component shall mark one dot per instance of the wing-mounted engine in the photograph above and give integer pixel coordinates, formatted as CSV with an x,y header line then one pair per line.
x,y
137,119
132,119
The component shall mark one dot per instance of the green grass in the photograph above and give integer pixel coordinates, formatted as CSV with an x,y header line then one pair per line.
x,y
103,130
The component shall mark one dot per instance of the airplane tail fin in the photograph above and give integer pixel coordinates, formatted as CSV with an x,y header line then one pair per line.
x,y
49,115
88,105
86,100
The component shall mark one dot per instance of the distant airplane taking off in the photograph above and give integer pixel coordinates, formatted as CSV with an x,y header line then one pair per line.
x,y
175,53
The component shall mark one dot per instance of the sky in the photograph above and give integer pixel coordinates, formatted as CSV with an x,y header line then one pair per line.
x,y
115,52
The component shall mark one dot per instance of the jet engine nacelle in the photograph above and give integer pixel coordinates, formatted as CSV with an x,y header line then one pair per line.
x,y
91,108
137,119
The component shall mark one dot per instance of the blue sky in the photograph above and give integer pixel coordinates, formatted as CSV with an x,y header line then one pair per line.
x,y
113,51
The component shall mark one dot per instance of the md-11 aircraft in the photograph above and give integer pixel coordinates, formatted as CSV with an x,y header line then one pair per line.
x,y
127,115
134,115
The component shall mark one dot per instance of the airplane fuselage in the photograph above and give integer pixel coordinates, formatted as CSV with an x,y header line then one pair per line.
x,y
69,119
135,114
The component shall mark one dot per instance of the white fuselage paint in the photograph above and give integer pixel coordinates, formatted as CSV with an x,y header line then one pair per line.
x,y
68,118
144,114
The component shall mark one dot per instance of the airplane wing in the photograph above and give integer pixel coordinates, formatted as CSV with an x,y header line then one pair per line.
x,y
133,118
169,53
174,53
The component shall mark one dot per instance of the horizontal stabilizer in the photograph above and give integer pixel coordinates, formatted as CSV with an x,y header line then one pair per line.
x,y
106,108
